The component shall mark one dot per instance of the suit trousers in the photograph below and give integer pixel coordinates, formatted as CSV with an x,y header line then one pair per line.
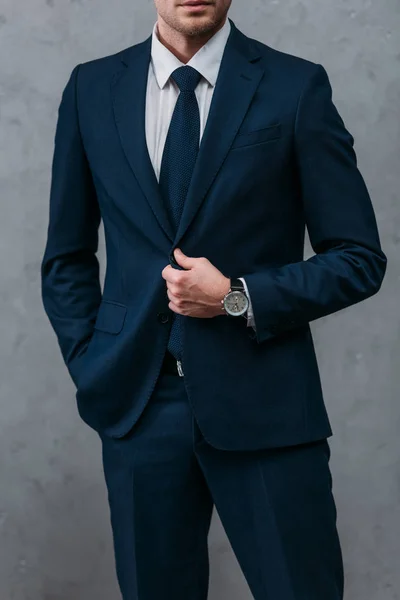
x,y
276,506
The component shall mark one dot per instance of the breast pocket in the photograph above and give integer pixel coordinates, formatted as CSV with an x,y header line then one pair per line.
x,y
267,134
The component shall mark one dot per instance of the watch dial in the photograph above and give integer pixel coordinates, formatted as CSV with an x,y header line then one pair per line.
x,y
236,303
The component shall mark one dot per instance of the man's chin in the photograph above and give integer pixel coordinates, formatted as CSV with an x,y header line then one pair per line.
x,y
195,26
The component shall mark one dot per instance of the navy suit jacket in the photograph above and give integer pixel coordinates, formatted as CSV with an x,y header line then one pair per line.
x,y
275,157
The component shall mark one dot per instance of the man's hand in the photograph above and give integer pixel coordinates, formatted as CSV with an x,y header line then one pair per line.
x,y
197,291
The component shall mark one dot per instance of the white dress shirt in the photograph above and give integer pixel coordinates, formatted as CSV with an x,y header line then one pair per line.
x,y
162,94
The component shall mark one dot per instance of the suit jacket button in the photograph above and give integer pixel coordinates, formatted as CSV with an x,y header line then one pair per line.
x,y
163,317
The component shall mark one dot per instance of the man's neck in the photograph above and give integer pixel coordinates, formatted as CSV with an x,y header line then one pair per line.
x,y
184,47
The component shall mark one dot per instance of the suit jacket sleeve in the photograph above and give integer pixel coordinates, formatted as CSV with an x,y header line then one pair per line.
x,y
349,264
70,271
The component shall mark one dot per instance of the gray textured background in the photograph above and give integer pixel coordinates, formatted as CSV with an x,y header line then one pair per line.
x,y
55,537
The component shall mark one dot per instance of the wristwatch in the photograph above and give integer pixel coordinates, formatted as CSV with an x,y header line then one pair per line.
x,y
235,303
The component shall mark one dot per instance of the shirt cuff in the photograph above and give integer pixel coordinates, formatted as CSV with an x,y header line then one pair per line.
x,y
250,314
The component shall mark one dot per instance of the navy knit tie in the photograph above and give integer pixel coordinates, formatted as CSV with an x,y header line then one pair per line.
x,y
178,160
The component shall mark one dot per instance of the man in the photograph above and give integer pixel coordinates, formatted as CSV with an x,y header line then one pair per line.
x,y
206,153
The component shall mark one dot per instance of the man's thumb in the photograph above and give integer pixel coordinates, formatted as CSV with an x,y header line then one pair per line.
x,y
183,260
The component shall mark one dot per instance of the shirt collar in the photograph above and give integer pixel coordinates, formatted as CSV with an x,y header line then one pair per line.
x,y
206,61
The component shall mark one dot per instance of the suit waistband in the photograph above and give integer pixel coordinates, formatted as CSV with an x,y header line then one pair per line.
x,y
169,364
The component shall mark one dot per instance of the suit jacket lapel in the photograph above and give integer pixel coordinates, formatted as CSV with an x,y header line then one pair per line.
x,y
128,90
238,79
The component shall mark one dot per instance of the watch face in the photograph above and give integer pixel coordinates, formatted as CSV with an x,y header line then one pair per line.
x,y
236,303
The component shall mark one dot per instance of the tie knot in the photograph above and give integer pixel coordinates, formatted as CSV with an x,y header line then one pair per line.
x,y
186,78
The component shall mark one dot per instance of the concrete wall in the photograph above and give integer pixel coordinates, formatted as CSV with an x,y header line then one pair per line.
x,y
55,538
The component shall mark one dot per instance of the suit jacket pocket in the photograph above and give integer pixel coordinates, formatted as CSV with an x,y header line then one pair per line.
x,y
267,134
110,317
